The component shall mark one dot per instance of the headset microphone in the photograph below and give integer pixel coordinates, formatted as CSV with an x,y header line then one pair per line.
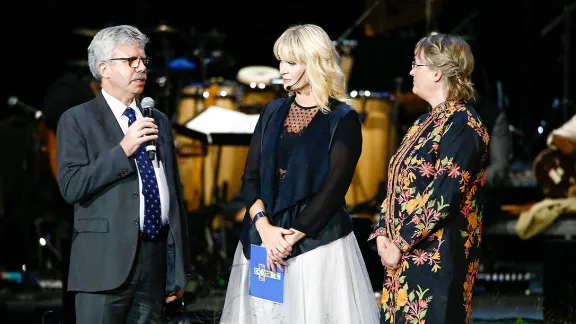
x,y
295,83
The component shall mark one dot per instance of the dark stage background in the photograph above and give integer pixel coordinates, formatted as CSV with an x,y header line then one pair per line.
x,y
505,36
41,40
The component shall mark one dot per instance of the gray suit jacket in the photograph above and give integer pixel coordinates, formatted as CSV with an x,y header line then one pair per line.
x,y
95,175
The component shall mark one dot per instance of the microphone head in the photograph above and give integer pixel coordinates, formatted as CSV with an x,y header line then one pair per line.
x,y
147,103
288,88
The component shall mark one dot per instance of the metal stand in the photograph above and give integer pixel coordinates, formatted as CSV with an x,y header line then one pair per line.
x,y
218,201
358,21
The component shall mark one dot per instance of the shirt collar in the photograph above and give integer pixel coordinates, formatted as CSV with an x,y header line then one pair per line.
x,y
117,106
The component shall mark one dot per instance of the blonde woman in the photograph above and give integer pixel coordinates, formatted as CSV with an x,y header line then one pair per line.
x,y
431,222
301,160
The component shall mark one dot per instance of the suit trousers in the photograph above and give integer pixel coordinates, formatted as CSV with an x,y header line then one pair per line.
x,y
140,298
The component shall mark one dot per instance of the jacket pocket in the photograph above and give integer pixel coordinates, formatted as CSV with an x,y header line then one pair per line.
x,y
91,225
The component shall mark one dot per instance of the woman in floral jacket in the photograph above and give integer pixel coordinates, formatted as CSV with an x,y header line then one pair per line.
x,y
430,228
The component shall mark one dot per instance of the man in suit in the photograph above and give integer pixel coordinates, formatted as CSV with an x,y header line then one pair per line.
x,y
129,246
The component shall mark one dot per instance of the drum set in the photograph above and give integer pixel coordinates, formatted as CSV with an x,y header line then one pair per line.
x,y
211,174
205,168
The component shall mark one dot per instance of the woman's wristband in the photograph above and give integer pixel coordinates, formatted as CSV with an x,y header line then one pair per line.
x,y
259,215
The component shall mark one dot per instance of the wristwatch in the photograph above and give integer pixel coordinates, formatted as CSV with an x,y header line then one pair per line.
x,y
259,215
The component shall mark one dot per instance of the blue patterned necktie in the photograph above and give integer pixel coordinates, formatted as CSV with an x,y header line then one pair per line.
x,y
152,210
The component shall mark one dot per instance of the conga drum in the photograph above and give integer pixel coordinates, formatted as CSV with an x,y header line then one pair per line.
x,y
232,158
378,145
257,87
190,154
197,164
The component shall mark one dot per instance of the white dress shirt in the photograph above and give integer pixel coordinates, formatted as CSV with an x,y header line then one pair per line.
x,y
118,109
566,130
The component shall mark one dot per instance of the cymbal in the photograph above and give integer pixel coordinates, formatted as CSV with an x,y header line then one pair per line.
x,y
258,75
88,32
161,28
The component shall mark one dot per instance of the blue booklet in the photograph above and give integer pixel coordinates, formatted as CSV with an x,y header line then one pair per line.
x,y
265,284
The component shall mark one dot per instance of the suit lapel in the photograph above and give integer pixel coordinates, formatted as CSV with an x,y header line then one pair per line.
x,y
167,159
165,150
108,121
105,116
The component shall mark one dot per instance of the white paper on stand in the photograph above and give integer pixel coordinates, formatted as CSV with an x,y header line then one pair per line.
x,y
221,120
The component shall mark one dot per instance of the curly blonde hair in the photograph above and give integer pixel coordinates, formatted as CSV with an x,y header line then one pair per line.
x,y
452,56
309,44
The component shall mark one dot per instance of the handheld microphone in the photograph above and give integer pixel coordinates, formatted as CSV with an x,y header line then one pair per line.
x,y
147,106
295,83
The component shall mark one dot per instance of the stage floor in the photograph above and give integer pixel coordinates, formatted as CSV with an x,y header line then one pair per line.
x,y
488,308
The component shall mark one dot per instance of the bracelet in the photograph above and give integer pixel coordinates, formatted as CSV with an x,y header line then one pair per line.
x,y
259,215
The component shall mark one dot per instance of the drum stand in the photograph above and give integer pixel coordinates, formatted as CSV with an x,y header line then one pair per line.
x,y
218,200
218,195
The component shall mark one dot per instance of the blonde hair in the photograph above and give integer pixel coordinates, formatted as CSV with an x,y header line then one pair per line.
x,y
310,45
453,57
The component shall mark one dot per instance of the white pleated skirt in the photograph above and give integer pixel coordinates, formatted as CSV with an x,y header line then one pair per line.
x,y
327,285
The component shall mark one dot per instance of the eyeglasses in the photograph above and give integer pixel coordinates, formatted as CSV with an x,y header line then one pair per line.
x,y
133,61
415,65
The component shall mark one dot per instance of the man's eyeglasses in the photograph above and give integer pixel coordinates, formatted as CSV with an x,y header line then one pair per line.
x,y
133,62
415,65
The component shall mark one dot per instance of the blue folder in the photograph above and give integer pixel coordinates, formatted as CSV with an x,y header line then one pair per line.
x,y
265,284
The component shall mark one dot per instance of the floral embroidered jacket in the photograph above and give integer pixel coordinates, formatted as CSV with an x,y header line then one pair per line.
x,y
432,214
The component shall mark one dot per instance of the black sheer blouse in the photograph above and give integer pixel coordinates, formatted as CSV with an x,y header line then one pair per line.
x,y
344,154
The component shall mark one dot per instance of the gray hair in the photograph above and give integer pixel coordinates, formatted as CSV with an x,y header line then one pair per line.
x,y
107,39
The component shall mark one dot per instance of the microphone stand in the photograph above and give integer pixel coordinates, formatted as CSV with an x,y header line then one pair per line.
x,y
565,16
358,21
